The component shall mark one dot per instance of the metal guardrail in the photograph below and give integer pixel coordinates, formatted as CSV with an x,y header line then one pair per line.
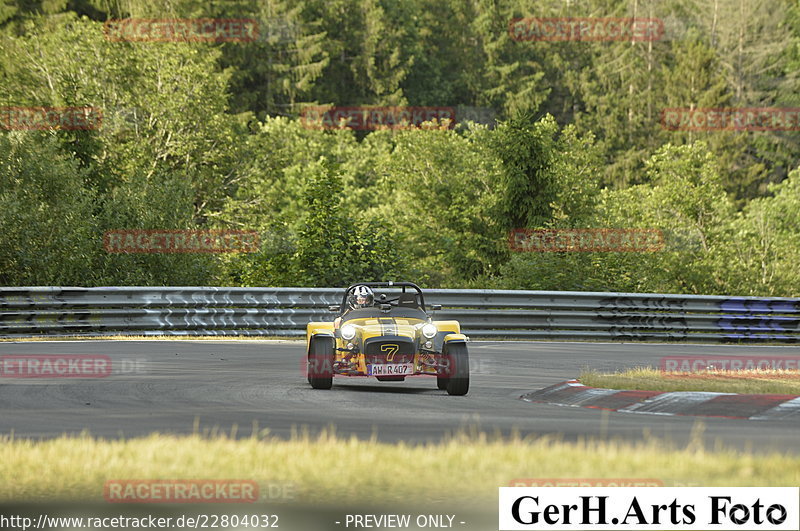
x,y
33,311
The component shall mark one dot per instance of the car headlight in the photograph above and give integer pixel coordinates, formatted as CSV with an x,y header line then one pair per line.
x,y
348,332
429,330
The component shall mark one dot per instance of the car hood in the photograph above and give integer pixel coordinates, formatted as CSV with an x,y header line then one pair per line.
x,y
387,326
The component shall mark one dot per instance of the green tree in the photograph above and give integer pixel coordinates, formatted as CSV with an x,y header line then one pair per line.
x,y
446,54
163,103
764,246
512,73
271,75
365,43
49,234
437,190
753,40
333,248
685,199
526,150
550,180
316,241
164,152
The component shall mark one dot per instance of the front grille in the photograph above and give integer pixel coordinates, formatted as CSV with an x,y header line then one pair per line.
x,y
389,349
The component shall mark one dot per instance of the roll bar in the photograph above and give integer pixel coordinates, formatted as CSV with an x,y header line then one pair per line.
x,y
388,284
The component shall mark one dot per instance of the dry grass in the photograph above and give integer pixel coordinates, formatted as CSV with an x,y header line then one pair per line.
x,y
756,381
465,467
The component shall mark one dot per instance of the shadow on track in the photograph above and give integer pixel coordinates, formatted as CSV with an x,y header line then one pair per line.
x,y
386,389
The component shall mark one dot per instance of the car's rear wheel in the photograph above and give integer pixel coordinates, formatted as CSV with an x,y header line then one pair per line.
x,y
441,381
458,363
320,362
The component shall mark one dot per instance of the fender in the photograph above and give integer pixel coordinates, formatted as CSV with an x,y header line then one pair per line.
x,y
455,338
316,330
448,326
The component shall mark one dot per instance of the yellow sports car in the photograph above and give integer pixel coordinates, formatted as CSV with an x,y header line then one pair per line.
x,y
389,336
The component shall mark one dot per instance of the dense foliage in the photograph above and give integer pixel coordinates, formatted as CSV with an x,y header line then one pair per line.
x,y
200,135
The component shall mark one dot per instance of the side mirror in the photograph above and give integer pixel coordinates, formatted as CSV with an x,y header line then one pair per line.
x,y
383,297
436,307
333,308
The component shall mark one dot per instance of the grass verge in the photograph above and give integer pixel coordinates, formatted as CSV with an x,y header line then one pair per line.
x,y
771,381
327,468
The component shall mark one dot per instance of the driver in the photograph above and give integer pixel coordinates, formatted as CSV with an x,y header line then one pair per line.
x,y
361,297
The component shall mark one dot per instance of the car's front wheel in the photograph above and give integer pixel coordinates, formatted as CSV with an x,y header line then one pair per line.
x,y
458,364
320,362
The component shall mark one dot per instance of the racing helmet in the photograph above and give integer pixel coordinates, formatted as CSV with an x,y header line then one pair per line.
x,y
362,297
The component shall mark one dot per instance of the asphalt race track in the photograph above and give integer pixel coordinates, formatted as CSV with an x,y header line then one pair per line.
x,y
172,386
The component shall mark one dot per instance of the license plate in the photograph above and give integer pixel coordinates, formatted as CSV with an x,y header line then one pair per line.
x,y
390,369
